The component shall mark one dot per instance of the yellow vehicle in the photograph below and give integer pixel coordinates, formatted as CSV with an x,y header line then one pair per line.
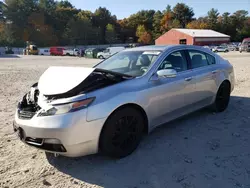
x,y
32,50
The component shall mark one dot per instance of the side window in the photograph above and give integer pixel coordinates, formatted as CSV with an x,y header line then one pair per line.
x,y
210,59
198,59
175,60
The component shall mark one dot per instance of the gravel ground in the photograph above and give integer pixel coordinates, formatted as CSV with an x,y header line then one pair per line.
x,y
198,151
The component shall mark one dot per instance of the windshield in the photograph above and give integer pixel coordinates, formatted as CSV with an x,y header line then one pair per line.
x,y
133,63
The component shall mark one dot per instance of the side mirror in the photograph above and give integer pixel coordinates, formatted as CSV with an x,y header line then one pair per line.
x,y
166,73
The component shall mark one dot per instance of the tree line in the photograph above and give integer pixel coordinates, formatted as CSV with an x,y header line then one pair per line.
x,y
50,22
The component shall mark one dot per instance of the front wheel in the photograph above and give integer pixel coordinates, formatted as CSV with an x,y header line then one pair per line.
x,y
222,97
122,133
101,57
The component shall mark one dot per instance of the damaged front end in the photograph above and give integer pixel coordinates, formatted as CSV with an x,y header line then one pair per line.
x,y
41,102
28,106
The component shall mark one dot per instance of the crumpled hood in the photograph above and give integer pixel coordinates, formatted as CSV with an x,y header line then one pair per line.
x,y
58,80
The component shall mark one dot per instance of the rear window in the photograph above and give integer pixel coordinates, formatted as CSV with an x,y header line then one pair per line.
x,y
210,59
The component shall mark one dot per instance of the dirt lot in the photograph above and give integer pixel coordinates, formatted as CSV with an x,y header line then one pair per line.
x,y
201,150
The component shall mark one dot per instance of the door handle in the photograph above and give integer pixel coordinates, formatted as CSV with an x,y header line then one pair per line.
x,y
188,79
215,71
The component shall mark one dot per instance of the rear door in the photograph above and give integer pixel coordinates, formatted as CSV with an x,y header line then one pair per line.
x,y
206,73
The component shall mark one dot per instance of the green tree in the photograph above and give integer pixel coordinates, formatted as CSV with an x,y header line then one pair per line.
x,y
245,31
225,24
125,31
101,18
238,22
197,24
64,4
167,19
110,34
78,31
85,14
62,18
2,6
18,13
212,17
143,35
157,24
48,6
140,30
183,13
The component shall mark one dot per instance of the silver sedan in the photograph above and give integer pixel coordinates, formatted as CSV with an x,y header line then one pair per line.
x,y
76,111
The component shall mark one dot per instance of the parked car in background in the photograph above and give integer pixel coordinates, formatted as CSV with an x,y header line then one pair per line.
x,y
237,48
44,51
245,45
76,111
109,52
58,51
8,50
231,47
32,49
71,52
92,52
81,52
206,47
220,49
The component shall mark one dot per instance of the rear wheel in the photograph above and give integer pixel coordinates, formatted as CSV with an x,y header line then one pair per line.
x,y
222,97
101,57
122,133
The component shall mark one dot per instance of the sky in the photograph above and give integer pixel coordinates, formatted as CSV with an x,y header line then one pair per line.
x,y
124,8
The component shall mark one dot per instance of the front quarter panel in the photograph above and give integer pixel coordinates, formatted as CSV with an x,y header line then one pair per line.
x,y
130,92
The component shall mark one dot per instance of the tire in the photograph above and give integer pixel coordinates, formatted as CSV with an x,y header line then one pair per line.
x,y
222,97
67,54
122,133
101,57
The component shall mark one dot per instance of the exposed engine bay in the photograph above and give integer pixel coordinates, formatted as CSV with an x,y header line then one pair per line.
x,y
96,80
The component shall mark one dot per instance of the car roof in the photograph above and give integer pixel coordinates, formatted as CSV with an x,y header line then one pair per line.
x,y
161,47
150,47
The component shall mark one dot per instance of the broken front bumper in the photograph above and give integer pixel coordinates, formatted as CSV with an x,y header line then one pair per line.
x,y
67,134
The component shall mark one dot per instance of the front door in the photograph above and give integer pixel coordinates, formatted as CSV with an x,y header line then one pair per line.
x,y
173,96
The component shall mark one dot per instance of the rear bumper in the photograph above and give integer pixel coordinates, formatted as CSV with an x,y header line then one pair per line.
x,y
68,134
